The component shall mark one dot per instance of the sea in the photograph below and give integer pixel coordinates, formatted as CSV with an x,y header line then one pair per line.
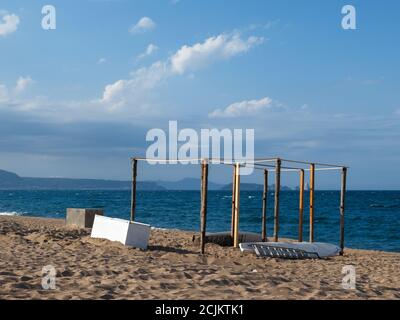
x,y
372,219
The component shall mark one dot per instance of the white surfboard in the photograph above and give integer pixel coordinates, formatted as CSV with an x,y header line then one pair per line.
x,y
322,250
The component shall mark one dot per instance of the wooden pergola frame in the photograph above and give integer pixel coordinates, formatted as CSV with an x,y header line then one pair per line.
x,y
277,165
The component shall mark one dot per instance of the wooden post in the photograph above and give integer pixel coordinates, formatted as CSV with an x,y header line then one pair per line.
x,y
264,207
237,206
342,209
301,205
233,203
312,187
277,194
133,191
203,210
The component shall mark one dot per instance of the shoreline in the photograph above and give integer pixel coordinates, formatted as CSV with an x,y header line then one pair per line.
x,y
192,232
172,268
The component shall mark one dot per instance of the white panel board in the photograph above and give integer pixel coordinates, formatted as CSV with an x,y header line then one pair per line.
x,y
138,235
128,233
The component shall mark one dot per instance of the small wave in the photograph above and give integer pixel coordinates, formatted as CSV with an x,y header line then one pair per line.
x,y
376,205
10,213
160,229
384,206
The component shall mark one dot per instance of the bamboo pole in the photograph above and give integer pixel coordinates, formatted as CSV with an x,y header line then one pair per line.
x,y
233,203
264,208
203,210
237,206
277,195
301,205
342,209
312,187
133,190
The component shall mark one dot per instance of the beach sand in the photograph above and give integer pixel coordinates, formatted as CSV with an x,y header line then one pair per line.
x,y
172,268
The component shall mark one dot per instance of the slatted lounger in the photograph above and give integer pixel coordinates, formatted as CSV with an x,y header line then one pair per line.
x,y
292,250
283,253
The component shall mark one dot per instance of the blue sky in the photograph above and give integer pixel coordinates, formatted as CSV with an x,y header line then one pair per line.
x,y
77,101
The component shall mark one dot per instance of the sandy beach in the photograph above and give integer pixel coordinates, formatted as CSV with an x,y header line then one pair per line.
x,y
172,268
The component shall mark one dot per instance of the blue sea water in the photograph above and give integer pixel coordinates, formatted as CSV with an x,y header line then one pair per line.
x,y
372,217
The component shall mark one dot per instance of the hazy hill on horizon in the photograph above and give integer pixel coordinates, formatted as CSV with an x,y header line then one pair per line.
x,y
254,187
188,184
12,181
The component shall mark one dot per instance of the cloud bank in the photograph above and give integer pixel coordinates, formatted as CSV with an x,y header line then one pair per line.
x,y
187,59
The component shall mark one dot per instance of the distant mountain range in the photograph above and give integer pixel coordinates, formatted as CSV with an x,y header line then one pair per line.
x,y
12,181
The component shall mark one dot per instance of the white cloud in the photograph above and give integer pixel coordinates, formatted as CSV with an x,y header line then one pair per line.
x,y
9,24
143,25
221,47
113,89
3,93
101,61
187,58
22,84
133,90
243,108
151,48
7,95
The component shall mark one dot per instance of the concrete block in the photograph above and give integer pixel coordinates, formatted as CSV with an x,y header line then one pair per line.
x,y
82,218
131,234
